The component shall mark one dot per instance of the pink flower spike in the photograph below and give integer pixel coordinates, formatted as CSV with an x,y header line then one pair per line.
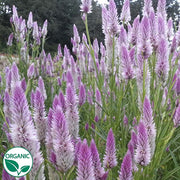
x,y
110,159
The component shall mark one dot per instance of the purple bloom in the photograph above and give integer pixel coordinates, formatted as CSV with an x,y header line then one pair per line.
x,y
82,95
135,30
170,30
15,77
23,84
6,176
23,132
126,168
104,20
30,72
85,169
72,113
143,151
62,144
86,126
110,160
147,7
153,28
98,169
30,20
10,39
127,70
144,47
59,51
150,125
56,102
125,120
39,115
44,29
161,8
162,65
122,37
15,14
62,101
86,6
176,118
113,25
161,28
125,14
42,87
36,35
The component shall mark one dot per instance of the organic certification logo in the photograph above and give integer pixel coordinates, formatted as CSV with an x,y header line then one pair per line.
x,y
17,161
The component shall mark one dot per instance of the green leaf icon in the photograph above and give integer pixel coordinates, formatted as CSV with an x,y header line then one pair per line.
x,y
25,168
11,165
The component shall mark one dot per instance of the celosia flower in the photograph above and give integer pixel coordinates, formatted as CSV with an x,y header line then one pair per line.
x,y
147,7
143,151
86,6
153,28
30,20
23,84
161,28
36,35
127,70
144,47
113,24
170,30
63,147
44,29
72,114
122,40
59,51
39,115
15,77
10,39
30,72
125,14
135,31
110,160
176,118
150,125
98,169
23,132
6,176
42,87
104,20
162,65
82,95
85,170
15,14
56,102
161,8
126,168
125,120
62,101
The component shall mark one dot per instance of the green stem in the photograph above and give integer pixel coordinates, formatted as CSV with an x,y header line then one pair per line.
x,y
27,177
70,172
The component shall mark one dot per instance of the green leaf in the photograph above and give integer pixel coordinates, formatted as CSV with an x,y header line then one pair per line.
x,y
25,168
11,165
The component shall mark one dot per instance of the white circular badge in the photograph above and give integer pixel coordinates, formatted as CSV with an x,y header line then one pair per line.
x,y
18,161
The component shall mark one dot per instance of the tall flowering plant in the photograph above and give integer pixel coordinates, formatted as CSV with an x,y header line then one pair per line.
x,y
103,110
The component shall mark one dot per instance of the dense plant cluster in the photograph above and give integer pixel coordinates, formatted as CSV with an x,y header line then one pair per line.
x,y
107,111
